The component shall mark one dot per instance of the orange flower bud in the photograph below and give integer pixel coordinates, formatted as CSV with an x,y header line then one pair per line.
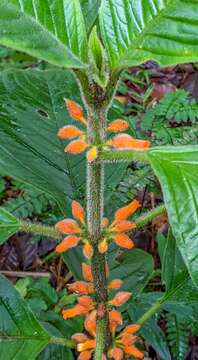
x,y
126,211
69,132
69,242
118,126
87,302
115,319
75,111
115,284
81,287
116,354
120,298
79,337
92,154
133,351
87,345
103,246
128,339
77,310
105,222
78,211
85,355
68,226
125,141
131,329
90,324
88,250
76,147
123,241
87,274
124,226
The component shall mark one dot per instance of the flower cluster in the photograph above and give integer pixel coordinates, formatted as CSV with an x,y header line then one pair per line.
x,y
116,231
85,289
121,342
76,230
80,143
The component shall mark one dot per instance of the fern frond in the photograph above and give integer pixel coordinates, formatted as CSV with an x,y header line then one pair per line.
x,y
177,335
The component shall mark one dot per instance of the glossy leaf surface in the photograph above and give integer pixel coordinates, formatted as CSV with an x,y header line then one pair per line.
x,y
49,30
135,31
21,335
177,170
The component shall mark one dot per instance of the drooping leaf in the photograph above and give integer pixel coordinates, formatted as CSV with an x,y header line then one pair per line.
x,y
171,259
9,225
135,31
21,335
134,268
90,11
177,170
49,30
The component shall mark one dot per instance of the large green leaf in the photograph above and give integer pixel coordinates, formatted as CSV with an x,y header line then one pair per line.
x,y
177,170
90,11
9,225
50,30
134,267
21,335
135,31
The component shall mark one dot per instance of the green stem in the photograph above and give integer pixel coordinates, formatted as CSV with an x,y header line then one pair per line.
x,y
152,311
150,215
64,342
38,229
124,155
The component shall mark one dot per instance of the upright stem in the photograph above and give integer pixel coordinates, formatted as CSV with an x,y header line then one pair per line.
x,y
97,101
95,185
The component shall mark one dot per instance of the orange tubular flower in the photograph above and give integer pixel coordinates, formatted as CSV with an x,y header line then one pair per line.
x,y
115,284
115,320
87,302
123,241
76,147
79,337
92,154
75,111
68,243
103,246
123,213
87,274
81,287
68,226
78,212
118,126
124,226
124,343
85,355
90,324
77,310
69,132
116,354
88,250
120,298
125,141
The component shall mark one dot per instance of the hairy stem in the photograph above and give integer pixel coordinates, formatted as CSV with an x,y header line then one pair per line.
x,y
151,311
39,229
150,215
